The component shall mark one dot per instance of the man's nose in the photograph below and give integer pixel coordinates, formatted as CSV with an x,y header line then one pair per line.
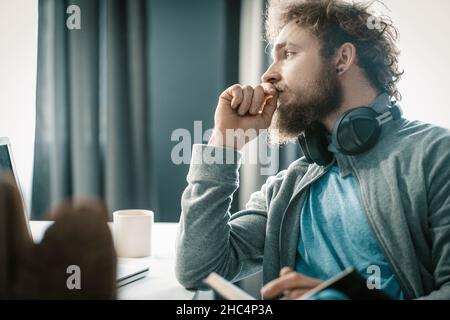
x,y
271,75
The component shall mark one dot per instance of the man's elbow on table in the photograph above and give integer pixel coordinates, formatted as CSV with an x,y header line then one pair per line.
x,y
187,269
186,276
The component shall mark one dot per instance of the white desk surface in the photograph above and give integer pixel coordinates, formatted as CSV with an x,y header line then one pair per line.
x,y
160,283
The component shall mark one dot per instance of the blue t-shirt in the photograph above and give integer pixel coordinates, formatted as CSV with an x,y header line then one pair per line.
x,y
335,234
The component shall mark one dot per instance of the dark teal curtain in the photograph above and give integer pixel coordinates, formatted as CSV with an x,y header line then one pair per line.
x,y
92,137
110,95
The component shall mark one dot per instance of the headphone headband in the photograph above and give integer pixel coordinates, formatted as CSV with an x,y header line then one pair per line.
x,y
394,112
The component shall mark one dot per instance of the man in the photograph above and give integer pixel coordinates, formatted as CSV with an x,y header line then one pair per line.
x,y
385,207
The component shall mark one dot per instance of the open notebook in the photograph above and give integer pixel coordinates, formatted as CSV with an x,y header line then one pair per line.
x,y
349,282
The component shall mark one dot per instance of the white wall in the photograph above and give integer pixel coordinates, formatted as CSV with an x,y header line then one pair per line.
x,y
18,56
424,32
251,48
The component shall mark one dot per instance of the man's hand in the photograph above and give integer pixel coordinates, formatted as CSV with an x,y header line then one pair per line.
x,y
291,284
243,107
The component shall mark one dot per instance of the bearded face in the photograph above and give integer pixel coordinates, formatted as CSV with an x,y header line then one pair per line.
x,y
300,107
309,87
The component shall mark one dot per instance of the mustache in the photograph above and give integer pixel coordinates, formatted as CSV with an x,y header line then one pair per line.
x,y
279,88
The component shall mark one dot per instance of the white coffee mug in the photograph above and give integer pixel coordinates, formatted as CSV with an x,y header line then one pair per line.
x,y
132,230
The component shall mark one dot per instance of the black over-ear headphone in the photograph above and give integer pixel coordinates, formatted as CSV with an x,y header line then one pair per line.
x,y
356,131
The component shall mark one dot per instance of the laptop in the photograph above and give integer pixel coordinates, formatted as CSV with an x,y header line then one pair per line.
x,y
127,272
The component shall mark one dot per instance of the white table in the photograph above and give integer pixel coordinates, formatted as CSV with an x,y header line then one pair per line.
x,y
160,284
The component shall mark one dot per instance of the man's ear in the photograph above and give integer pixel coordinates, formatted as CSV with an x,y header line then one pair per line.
x,y
345,57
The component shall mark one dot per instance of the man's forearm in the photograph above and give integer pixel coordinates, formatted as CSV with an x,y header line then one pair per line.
x,y
203,235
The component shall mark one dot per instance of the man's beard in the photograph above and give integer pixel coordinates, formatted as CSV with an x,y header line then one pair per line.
x,y
320,98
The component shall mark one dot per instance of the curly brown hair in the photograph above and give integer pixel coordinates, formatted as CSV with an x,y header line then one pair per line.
x,y
336,22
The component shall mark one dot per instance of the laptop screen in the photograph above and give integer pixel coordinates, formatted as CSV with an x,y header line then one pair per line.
x,y
7,167
6,162
5,159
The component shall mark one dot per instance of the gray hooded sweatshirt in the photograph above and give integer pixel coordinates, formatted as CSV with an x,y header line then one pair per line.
x,y
405,191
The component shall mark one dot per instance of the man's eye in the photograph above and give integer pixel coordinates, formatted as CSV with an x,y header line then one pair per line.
x,y
288,54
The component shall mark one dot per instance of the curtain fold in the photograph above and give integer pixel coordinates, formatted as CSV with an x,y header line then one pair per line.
x,y
92,137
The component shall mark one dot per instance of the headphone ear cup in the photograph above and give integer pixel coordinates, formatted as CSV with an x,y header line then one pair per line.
x,y
356,131
314,145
